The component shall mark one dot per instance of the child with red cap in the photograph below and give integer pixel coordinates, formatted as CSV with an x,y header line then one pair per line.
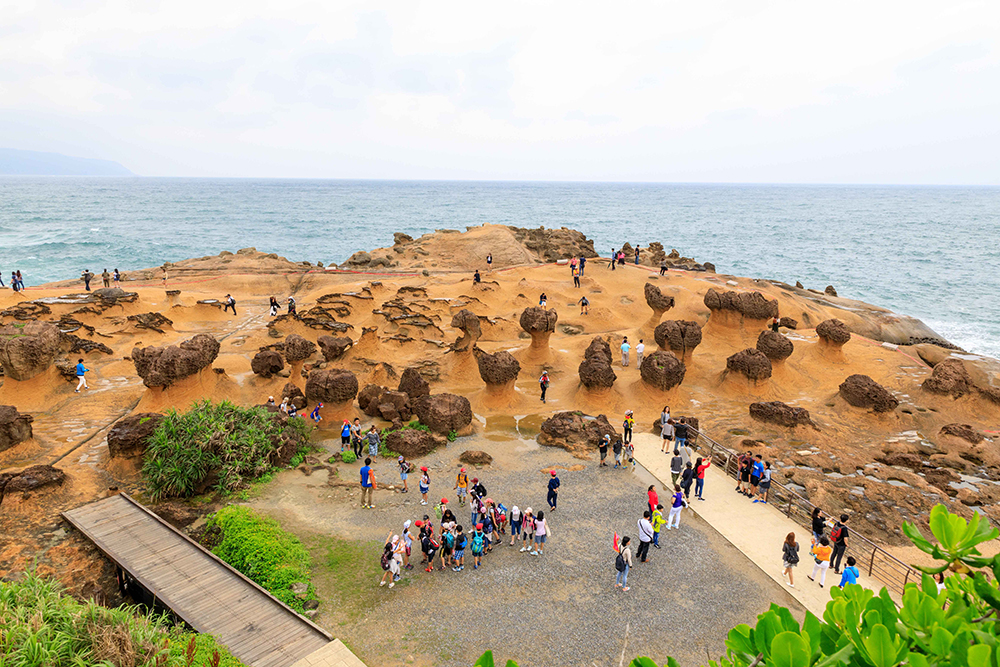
x,y
461,486
553,490
425,484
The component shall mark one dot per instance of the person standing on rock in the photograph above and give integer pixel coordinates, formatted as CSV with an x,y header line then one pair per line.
x,y
106,278
315,416
663,267
291,305
230,303
543,382
625,350
553,494
87,277
789,557
775,324
639,349
623,561
542,300
627,427
583,263
489,262
676,505
117,278
584,305
274,307
356,435
576,277
476,277
20,281
572,266
373,443
839,537
81,378
367,485
614,259
645,536
345,435
637,255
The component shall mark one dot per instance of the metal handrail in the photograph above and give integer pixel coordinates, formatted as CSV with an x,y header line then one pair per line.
x,y
882,565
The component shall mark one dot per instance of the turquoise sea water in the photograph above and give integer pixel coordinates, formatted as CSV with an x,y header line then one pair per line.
x,y
929,252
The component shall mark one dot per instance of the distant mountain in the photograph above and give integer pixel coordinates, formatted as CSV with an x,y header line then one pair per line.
x,y
33,163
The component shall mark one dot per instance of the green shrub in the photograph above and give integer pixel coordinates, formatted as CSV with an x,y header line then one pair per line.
x,y
236,444
348,457
43,627
259,548
452,435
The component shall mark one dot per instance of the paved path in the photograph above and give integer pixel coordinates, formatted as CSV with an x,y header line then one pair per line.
x,y
755,529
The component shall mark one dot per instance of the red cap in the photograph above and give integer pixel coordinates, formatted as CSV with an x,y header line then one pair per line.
x,y
475,479
553,472
462,470
479,526
444,501
424,468
418,523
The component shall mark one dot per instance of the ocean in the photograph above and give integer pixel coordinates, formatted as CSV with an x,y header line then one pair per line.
x,y
929,252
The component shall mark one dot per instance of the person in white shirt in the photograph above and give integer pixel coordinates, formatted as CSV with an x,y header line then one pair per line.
x,y
625,348
645,536
639,349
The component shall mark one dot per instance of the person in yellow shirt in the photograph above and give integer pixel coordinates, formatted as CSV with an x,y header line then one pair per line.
x,y
821,554
461,486
657,522
627,427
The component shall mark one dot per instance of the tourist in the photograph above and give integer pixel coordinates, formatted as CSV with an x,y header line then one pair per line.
x,y
373,443
743,465
657,521
447,543
818,524
542,300
625,348
603,446
274,307
430,547
1,280
623,561
939,581
639,349
584,305
292,411
553,490
345,435
576,277
117,278
789,557
446,514
542,533
460,544
475,502
652,499
367,485
614,256
775,323
515,519
283,408
621,258
629,454
700,467
80,376
637,255
315,416
164,277
572,266
527,529
106,278
676,466
687,477
850,574
645,536
666,428
543,382
765,484
478,546
838,535
676,505
20,281
821,554
476,278
87,277
13,281
617,448
489,262
489,526
583,263
425,484
404,472
755,474
356,436
291,305
408,544
627,427
391,558
461,486
681,433
270,402
663,267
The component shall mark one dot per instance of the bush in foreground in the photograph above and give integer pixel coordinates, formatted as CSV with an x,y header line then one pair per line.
x,y
955,627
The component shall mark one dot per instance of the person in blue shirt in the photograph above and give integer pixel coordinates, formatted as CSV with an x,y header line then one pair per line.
x,y
850,574
345,435
315,416
553,490
755,474
367,484
80,370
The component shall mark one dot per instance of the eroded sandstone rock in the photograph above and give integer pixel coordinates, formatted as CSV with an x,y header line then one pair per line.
x,y
497,369
267,363
863,392
662,370
444,413
475,457
751,305
335,385
130,435
28,349
964,431
680,336
412,443
774,412
657,300
774,346
298,348
413,384
334,347
539,323
949,378
468,322
751,363
152,321
833,331
575,432
162,366
15,427
595,370
294,395
788,323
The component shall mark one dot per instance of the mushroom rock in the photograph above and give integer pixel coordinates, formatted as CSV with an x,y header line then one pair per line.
x,y
298,348
331,386
129,436
540,323
162,366
949,377
334,347
267,363
413,443
15,427
294,395
662,370
679,336
747,305
444,413
774,346
598,348
830,290
964,431
657,300
413,384
751,363
788,323
774,412
595,370
468,322
863,392
29,349
497,370
833,332
575,432
370,398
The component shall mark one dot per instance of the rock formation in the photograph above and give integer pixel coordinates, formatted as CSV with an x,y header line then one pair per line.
x,y
130,435
294,395
678,336
657,300
774,346
444,413
162,366
830,290
596,371
412,443
368,399
29,349
750,363
662,370
394,406
475,457
267,363
949,378
788,323
413,384
833,332
468,322
863,392
334,347
575,432
746,305
550,245
498,370
773,412
152,321
540,323
30,479
15,427
298,348
331,386
964,431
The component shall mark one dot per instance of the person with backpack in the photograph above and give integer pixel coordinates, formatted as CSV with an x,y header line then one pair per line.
x,y
553,493
230,303
543,382
821,554
407,545
404,472
629,454
789,557
623,561
429,546
274,307
460,543
687,478
657,522
584,305
461,486
617,449
645,536
583,264
765,484
425,484
542,533
478,545
316,417
515,518
839,538
345,435
390,560
603,447
676,505
627,427
527,529
447,545
850,574
476,494
117,278
486,520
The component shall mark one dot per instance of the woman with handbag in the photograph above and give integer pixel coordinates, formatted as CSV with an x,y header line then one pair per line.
x,y
623,561
821,554
789,557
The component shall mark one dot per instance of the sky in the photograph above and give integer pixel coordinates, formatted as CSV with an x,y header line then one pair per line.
x,y
708,91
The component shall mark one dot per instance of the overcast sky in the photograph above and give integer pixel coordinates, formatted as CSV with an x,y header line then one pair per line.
x,y
742,91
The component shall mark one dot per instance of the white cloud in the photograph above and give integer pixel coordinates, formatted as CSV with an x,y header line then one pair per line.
x,y
716,90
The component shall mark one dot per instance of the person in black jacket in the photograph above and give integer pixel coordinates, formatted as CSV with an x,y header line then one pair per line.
x,y
687,479
839,538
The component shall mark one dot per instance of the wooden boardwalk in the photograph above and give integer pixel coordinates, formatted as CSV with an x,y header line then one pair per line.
x,y
201,589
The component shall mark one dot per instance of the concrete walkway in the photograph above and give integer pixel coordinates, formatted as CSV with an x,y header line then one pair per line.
x,y
757,530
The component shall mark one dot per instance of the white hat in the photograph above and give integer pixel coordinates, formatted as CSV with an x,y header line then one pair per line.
x,y
406,524
514,509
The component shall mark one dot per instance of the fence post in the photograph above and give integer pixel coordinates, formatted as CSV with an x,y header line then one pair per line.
x,y
871,564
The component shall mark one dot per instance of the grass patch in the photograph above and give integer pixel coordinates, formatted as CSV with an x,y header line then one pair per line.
x,y
45,627
348,572
258,547
219,446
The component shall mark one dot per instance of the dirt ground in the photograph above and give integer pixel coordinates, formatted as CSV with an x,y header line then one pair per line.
x,y
557,609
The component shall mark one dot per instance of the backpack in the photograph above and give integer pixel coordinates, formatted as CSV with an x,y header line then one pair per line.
x,y
620,562
477,543
386,559
449,540
461,545
837,531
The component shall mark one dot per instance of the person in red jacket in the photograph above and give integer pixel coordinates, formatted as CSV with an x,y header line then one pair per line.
x,y
654,500
700,467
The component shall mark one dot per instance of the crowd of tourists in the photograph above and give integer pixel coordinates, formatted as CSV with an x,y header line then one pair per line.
x,y
16,281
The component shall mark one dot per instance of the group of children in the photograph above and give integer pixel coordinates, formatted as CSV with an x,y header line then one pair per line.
x,y
754,477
